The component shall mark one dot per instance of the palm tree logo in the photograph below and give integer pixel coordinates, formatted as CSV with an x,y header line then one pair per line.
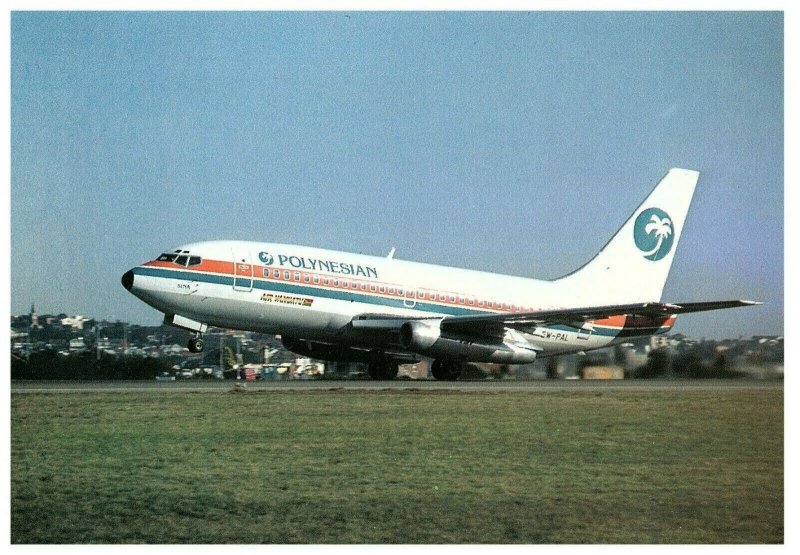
x,y
265,257
653,233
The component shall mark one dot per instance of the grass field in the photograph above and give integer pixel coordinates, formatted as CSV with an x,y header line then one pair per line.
x,y
398,467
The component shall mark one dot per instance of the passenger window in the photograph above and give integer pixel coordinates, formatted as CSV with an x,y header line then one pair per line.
x,y
306,278
297,276
286,275
316,280
391,290
452,298
276,273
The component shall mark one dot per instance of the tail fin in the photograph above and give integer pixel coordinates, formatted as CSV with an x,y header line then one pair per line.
x,y
634,264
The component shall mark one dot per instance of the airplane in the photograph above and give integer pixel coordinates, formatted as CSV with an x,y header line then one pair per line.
x,y
383,311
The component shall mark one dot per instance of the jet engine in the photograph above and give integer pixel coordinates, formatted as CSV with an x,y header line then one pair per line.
x,y
425,337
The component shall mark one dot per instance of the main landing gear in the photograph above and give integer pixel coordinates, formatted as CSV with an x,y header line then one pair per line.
x,y
382,369
196,344
446,370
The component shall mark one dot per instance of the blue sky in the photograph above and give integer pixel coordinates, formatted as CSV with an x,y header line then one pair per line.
x,y
508,142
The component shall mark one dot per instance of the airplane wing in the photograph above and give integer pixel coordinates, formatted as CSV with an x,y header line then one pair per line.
x,y
494,324
576,316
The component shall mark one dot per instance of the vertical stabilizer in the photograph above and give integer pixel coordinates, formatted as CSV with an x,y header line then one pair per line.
x,y
634,264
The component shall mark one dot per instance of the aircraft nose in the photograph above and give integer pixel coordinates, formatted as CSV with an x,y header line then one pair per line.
x,y
127,280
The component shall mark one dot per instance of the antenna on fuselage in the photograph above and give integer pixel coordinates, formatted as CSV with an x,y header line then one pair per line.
x,y
391,253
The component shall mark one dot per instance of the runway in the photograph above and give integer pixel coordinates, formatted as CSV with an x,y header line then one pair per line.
x,y
477,386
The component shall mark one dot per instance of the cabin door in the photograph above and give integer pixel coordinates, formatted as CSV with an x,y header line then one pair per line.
x,y
242,271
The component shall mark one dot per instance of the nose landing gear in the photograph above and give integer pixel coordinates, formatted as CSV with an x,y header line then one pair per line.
x,y
196,344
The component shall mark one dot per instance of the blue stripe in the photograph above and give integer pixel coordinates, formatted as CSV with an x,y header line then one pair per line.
x,y
188,276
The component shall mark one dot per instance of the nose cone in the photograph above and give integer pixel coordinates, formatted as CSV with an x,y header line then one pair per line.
x,y
127,280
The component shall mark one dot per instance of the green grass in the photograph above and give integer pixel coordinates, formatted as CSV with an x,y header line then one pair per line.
x,y
398,467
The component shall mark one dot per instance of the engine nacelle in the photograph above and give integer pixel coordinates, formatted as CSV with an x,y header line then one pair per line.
x,y
425,337
419,335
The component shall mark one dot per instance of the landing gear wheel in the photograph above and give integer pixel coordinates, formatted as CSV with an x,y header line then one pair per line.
x,y
196,345
382,370
446,370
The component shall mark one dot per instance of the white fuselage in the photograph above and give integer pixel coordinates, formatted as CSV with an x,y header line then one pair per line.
x,y
315,294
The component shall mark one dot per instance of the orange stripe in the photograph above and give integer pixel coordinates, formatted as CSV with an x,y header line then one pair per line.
x,y
630,322
211,266
612,321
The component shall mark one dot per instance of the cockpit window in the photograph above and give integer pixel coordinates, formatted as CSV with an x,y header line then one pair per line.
x,y
180,259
